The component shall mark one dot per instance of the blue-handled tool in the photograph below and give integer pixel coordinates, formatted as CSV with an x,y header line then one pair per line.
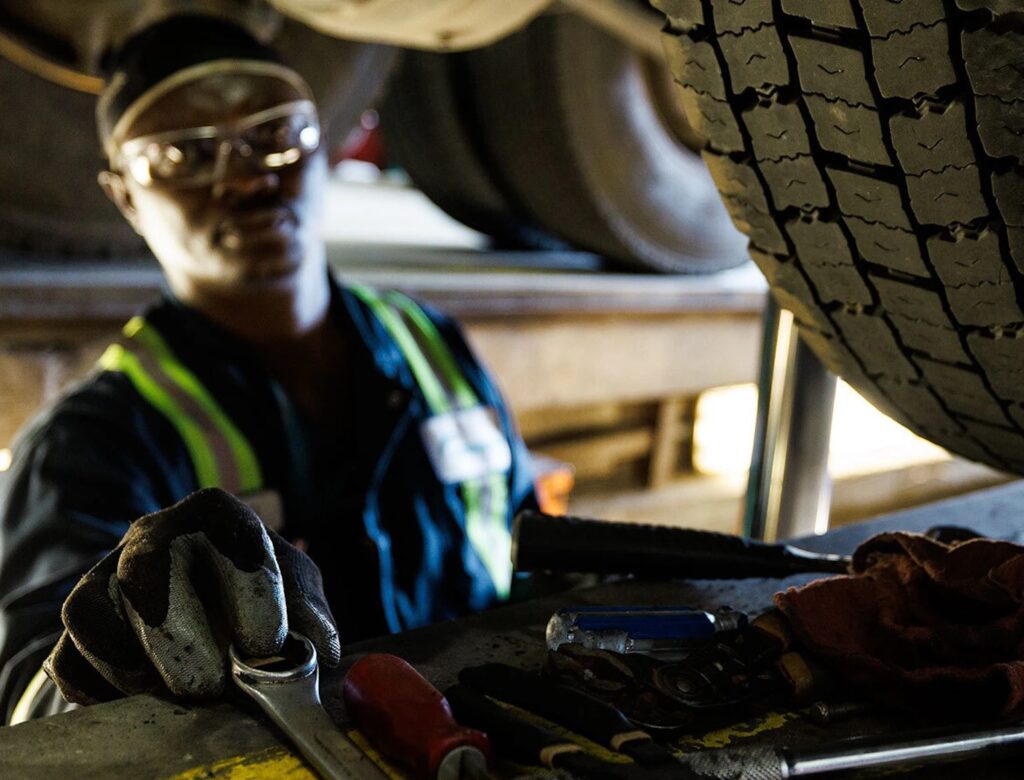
x,y
651,630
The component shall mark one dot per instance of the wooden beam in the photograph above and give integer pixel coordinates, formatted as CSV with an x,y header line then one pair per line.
x,y
716,503
542,425
599,456
669,431
564,362
46,293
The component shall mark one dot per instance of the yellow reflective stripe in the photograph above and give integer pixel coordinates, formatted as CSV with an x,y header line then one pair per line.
x,y
117,358
485,499
486,521
433,391
440,354
247,465
23,709
488,530
503,544
219,447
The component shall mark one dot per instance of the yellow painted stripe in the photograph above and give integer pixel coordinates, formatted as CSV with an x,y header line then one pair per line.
x,y
276,763
385,766
736,732
279,763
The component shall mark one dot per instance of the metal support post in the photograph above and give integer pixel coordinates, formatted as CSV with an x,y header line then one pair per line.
x,y
789,491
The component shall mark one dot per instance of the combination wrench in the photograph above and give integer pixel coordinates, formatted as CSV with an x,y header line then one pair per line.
x,y
286,688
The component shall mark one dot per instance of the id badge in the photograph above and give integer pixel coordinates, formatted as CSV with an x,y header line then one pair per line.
x,y
466,444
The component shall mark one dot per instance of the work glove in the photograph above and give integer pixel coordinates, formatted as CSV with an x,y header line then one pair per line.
x,y
158,612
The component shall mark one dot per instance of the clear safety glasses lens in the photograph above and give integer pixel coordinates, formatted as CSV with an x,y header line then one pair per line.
x,y
270,140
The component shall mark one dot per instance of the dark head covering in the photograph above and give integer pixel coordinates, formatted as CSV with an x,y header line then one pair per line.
x,y
166,48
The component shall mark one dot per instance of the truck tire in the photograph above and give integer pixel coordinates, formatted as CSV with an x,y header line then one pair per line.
x,y
430,130
558,126
50,156
871,150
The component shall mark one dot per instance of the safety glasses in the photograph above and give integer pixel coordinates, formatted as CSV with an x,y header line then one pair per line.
x,y
268,140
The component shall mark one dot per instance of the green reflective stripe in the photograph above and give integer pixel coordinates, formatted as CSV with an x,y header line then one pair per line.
x,y
247,465
489,535
117,358
485,499
503,544
433,390
439,352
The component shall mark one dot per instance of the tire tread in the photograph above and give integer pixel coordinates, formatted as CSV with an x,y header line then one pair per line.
x,y
880,181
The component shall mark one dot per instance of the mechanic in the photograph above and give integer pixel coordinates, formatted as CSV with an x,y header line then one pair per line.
x,y
356,423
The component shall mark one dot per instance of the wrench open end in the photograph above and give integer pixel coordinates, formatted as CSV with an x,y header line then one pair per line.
x,y
286,688
296,660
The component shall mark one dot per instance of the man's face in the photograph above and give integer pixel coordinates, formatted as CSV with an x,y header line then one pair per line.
x,y
250,227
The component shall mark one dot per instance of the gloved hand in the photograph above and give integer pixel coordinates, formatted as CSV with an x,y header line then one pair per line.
x,y
157,613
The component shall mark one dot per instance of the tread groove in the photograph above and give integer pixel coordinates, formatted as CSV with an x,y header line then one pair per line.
x,y
906,197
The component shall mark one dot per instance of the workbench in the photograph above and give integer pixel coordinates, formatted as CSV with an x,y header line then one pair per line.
x,y
145,737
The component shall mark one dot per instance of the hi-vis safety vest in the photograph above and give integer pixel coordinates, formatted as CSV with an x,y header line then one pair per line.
x,y
222,456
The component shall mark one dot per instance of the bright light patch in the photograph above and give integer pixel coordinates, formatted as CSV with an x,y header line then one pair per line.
x,y
863,439
5,459
309,137
141,170
723,430
281,159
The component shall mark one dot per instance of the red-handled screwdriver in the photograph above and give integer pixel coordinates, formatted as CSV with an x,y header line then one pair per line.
x,y
409,721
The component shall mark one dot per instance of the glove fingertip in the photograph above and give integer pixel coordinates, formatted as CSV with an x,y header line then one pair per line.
x,y
324,636
76,679
329,650
207,685
260,648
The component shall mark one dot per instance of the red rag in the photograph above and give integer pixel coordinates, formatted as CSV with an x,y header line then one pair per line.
x,y
920,624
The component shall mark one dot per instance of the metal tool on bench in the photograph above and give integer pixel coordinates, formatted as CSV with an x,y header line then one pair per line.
x,y
735,669
825,713
530,744
906,752
660,631
408,720
720,682
285,687
622,681
572,544
596,720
